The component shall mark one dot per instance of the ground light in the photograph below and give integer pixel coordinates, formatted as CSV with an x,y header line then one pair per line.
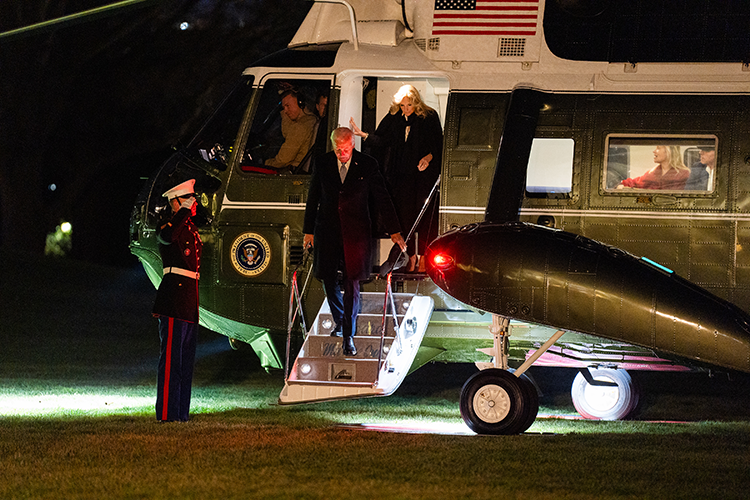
x,y
81,403
392,414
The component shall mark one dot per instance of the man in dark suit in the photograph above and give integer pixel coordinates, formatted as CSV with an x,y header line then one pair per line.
x,y
176,303
702,172
339,224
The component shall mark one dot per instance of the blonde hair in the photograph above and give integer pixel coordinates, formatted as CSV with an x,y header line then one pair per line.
x,y
420,108
674,157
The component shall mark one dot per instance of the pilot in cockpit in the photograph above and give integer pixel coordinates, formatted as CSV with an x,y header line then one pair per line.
x,y
297,127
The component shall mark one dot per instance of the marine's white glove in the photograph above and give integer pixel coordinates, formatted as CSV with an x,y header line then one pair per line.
x,y
188,203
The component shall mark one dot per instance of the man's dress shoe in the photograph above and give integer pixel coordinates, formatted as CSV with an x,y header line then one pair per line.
x,y
349,348
338,331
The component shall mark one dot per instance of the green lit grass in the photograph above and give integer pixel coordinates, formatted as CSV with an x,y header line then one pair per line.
x,y
240,444
102,441
43,400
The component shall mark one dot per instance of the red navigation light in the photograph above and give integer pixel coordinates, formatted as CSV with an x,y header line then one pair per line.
x,y
442,260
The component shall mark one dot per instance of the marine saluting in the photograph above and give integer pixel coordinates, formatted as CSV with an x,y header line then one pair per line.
x,y
176,304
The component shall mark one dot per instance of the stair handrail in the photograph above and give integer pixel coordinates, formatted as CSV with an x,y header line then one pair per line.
x,y
296,297
393,256
389,291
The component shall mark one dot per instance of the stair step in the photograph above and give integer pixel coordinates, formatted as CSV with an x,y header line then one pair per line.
x,y
372,302
367,324
348,370
325,346
322,373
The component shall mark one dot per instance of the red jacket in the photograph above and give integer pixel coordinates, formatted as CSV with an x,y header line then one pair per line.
x,y
674,179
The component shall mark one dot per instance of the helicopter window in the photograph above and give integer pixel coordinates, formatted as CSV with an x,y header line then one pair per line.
x,y
674,164
214,140
550,168
289,127
476,127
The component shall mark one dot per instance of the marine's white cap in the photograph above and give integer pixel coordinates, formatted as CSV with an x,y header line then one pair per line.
x,y
186,187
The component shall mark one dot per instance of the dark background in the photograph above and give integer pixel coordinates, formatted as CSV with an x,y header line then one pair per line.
x,y
96,105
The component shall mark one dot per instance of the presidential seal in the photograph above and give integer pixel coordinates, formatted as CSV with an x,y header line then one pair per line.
x,y
250,254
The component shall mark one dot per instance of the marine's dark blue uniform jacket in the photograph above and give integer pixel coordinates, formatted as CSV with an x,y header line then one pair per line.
x,y
180,247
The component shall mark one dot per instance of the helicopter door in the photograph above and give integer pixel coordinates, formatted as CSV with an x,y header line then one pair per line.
x,y
367,99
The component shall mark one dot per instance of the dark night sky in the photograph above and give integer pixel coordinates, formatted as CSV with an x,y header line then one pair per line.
x,y
95,106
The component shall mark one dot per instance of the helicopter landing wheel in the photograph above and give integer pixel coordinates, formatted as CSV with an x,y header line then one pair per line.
x,y
605,402
495,401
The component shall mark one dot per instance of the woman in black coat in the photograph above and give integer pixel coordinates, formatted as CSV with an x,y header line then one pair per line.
x,y
409,144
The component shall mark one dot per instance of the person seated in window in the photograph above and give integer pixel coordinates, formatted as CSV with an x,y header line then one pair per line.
x,y
297,127
702,172
321,105
670,173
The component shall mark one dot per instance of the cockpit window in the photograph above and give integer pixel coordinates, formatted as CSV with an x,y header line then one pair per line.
x,y
660,163
289,127
214,141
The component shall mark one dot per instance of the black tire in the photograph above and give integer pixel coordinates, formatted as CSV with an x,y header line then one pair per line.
x,y
605,402
532,402
495,401
532,397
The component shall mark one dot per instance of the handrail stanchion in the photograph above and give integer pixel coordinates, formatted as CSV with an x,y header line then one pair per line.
x,y
388,293
295,297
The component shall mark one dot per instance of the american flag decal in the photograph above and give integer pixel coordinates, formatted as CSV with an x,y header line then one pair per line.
x,y
485,17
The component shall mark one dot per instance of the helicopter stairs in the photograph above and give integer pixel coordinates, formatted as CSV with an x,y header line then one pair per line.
x,y
322,372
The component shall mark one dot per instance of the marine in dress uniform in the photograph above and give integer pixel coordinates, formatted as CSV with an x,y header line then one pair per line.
x,y
338,225
176,304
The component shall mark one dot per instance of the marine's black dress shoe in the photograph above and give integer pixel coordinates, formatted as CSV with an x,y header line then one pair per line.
x,y
349,348
338,331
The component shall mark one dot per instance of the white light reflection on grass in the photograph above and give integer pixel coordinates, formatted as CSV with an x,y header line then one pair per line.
x,y
90,403
45,399
416,427
101,402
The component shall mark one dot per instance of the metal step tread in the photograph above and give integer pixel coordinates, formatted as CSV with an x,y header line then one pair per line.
x,y
363,337
368,325
331,383
335,369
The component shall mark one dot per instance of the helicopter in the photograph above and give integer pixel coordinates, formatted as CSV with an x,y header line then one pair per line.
x,y
547,108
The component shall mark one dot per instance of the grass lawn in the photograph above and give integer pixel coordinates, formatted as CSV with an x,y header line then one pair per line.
x,y
100,440
77,388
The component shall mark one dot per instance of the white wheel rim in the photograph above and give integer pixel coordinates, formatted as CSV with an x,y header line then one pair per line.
x,y
491,403
601,398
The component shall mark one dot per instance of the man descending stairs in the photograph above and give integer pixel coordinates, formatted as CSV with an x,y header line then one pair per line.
x,y
323,372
